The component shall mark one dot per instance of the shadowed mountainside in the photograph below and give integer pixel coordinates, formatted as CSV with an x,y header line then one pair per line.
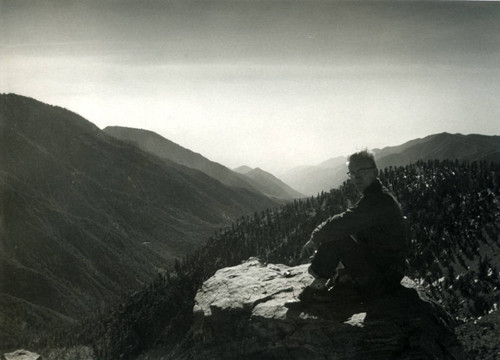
x,y
270,184
86,218
156,144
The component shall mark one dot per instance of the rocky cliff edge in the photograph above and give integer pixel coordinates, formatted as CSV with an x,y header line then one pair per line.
x,y
239,313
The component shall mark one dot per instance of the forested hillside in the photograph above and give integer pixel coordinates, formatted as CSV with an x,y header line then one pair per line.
x,y
85,218
454,213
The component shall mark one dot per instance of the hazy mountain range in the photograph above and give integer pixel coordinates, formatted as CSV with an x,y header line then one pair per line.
x,y
257,181
314,179
310,180
86,217
331,173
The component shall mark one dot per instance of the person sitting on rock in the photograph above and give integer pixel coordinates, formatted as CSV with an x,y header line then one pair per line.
x,y
364,247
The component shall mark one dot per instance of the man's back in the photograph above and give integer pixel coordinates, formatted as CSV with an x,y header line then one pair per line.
x,y
368,241
384,234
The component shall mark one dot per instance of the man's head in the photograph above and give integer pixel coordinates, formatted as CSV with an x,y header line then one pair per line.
x,y
362,169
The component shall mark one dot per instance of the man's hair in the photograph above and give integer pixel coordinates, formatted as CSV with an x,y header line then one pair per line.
x,y
363,155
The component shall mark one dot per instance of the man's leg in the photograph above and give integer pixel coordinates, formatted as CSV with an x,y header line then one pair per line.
x,y
328,256
355,257
360,266
325,260
324,267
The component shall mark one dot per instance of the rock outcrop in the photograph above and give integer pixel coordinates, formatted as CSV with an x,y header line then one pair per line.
x,y
239,313
21,355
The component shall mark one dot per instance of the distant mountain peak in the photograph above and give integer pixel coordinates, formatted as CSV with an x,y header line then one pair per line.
x,y
333,162
243,169
165,149
258,170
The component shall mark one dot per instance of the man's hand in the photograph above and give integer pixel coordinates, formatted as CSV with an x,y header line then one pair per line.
x,y
308,250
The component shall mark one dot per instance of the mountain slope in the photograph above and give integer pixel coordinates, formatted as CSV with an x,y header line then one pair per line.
x,y
333,162
86,218
454,214
312,180
155,144
269,184
441,147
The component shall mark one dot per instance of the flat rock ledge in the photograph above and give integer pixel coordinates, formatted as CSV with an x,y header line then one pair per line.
x,y
239,313
21,354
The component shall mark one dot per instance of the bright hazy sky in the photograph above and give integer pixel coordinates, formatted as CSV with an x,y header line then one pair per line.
x,y
273,84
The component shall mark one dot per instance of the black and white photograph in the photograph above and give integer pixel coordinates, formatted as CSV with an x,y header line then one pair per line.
x,y
249,179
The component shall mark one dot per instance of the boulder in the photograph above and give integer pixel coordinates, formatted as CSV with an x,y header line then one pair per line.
x,y
240,313
21,355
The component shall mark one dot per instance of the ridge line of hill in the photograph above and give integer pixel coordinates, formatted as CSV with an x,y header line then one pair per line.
x,y
156,144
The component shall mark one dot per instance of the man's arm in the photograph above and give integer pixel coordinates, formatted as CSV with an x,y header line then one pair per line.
x,y
339,226
357,218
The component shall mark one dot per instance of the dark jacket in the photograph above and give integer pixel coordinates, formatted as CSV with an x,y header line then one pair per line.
x,y
376,222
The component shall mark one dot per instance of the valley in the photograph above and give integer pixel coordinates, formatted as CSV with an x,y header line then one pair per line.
x,y
108,231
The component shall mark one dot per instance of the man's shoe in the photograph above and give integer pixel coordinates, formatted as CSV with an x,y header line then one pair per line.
x,y
310,295
318,284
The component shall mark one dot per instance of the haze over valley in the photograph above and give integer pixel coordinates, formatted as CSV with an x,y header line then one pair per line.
x,y
90,215
278,84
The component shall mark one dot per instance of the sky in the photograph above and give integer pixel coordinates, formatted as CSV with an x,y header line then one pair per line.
x,y
271,84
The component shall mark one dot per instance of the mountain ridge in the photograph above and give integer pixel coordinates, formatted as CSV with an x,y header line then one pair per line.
x,y
441,146
166,149
312,180
269,184
87,218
